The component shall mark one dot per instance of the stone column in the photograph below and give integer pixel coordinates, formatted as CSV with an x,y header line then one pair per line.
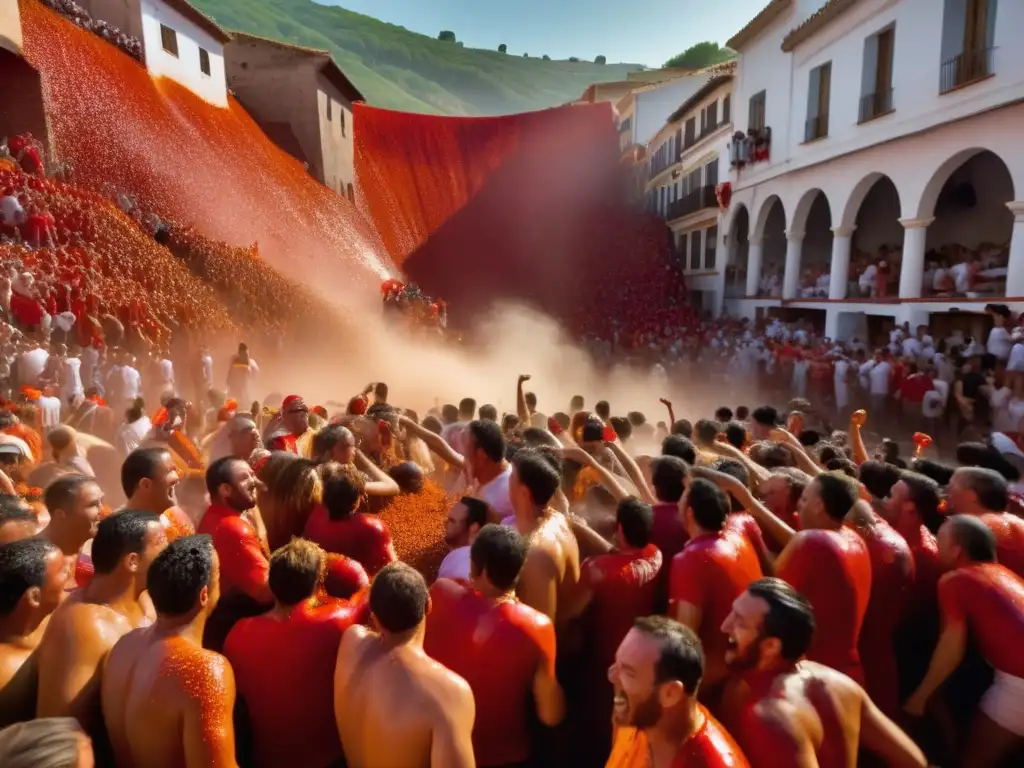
x,y
754,258
791,277
912,272
839,277
1015,272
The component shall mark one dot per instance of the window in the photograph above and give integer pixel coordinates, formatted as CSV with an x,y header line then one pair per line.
x,y
709,118
727,108
756,118
691,132
876,80
204,61
341,119
817,102
695,249
682,249
968,35
711,173
710,247
169,40
329,115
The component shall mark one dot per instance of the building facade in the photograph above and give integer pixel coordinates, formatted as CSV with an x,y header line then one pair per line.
x,y
302,101
876,171
179,41
642,112
21,106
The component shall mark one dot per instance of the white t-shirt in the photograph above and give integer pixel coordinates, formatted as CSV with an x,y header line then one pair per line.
x,y
455,564
911,347
31,365
1016,363
959,273
932,405
167,372
11,211
999,343
131,382
49,409
864,373
880,377
495,493
71,378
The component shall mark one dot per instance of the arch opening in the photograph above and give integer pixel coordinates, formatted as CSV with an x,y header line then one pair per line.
x,y
877,242
738,263
816,254
773,239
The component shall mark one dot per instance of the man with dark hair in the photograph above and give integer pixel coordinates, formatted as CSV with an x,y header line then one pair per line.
x,y
380,723
465,520
668,532
742,413
88,624
793,712
683,428
75,503
488,413
984,601
552,566
736,435
577,403
723,415
762,421
162,692
244,561
603,410
32,577
681,447
148,479
17,520
707,431
657,670
284,662
523,638
713,569
985,494
615,589
467,409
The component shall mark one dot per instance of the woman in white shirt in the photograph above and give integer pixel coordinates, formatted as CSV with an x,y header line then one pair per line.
x,y
137,425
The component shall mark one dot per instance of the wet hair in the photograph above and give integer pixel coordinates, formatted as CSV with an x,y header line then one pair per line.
x,y
723,414
603,409
488,438
499,551
733,468
680,447
838,494
343,488
295,571
62,492
536,437
797,480
121,534
682,427
593,431
974,537
328,437
477,511
770,455
742,413
467,408
408,475
790,617
398,598
531,400
680,657
179,573
14,510
22,566
736,435
48,742
809,438
766,416
635,518
219,473
432,424
449,413
940,473
537,473
987,457
141,464
844,465
926,496
879,477
988,485
488,413
827,452
668,476
708,504
707,430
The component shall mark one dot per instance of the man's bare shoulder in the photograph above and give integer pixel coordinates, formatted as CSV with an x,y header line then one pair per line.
x,y
91,621
815,678
448,692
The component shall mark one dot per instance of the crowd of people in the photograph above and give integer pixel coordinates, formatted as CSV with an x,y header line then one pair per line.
x,y
77,15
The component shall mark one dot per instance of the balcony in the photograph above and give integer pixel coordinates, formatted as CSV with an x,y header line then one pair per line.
x,y
816,128
698,200
969,67
875,105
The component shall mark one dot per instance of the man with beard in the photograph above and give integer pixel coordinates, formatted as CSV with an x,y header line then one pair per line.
x,y
790,713
168,702
658,722
289,426
88,624
74,503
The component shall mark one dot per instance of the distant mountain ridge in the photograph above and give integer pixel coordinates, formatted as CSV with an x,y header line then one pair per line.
x,y
398,69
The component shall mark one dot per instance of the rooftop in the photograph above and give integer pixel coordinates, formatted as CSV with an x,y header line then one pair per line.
x,y
816,21
758,24
702,93
200,19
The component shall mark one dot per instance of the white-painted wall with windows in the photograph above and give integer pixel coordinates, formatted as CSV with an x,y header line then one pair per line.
x,y
177,48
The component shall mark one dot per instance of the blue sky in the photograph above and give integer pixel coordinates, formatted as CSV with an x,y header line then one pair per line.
x,y
634,31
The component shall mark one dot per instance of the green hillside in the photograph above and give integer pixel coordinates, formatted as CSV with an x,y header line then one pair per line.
x,y
399,69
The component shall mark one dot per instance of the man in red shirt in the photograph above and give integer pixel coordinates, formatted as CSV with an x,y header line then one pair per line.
x,y
657,719
515,668
292,424
284,662
668,532
979,598
984,494
714,568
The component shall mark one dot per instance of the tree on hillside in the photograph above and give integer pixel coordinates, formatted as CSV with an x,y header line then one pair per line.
x,y
546,57
573,59
600,60
502,48
447,36
526,55
701,55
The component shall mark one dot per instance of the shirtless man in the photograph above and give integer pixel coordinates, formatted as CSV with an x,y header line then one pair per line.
x,y
74,503
552,568
149,479
395,705
790,713
17,520
167,702
89,623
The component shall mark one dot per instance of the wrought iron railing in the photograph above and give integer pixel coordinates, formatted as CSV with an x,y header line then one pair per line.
x,y
875,105
966,68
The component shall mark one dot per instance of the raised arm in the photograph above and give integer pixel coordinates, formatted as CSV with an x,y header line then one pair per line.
x,y
434,442
671,414
606,478
632,470
860,451
380,483
522,410
778,530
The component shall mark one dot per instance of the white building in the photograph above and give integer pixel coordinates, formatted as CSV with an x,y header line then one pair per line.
x,y
878,130
642,112
179,41
687,159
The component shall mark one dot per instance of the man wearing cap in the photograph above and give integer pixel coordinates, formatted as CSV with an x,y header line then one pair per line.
x,y
292,423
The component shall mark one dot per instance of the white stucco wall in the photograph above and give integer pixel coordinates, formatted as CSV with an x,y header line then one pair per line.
x,y
652,108
185,67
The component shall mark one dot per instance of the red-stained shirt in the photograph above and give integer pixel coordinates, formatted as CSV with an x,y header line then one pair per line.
x,y
243,564
496,647
990,599
709,574
746,526
710,747
622,587
668,534
1009,532
284,670
927,570
362,537
892,581
343,576
285,442
832,569
914,388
